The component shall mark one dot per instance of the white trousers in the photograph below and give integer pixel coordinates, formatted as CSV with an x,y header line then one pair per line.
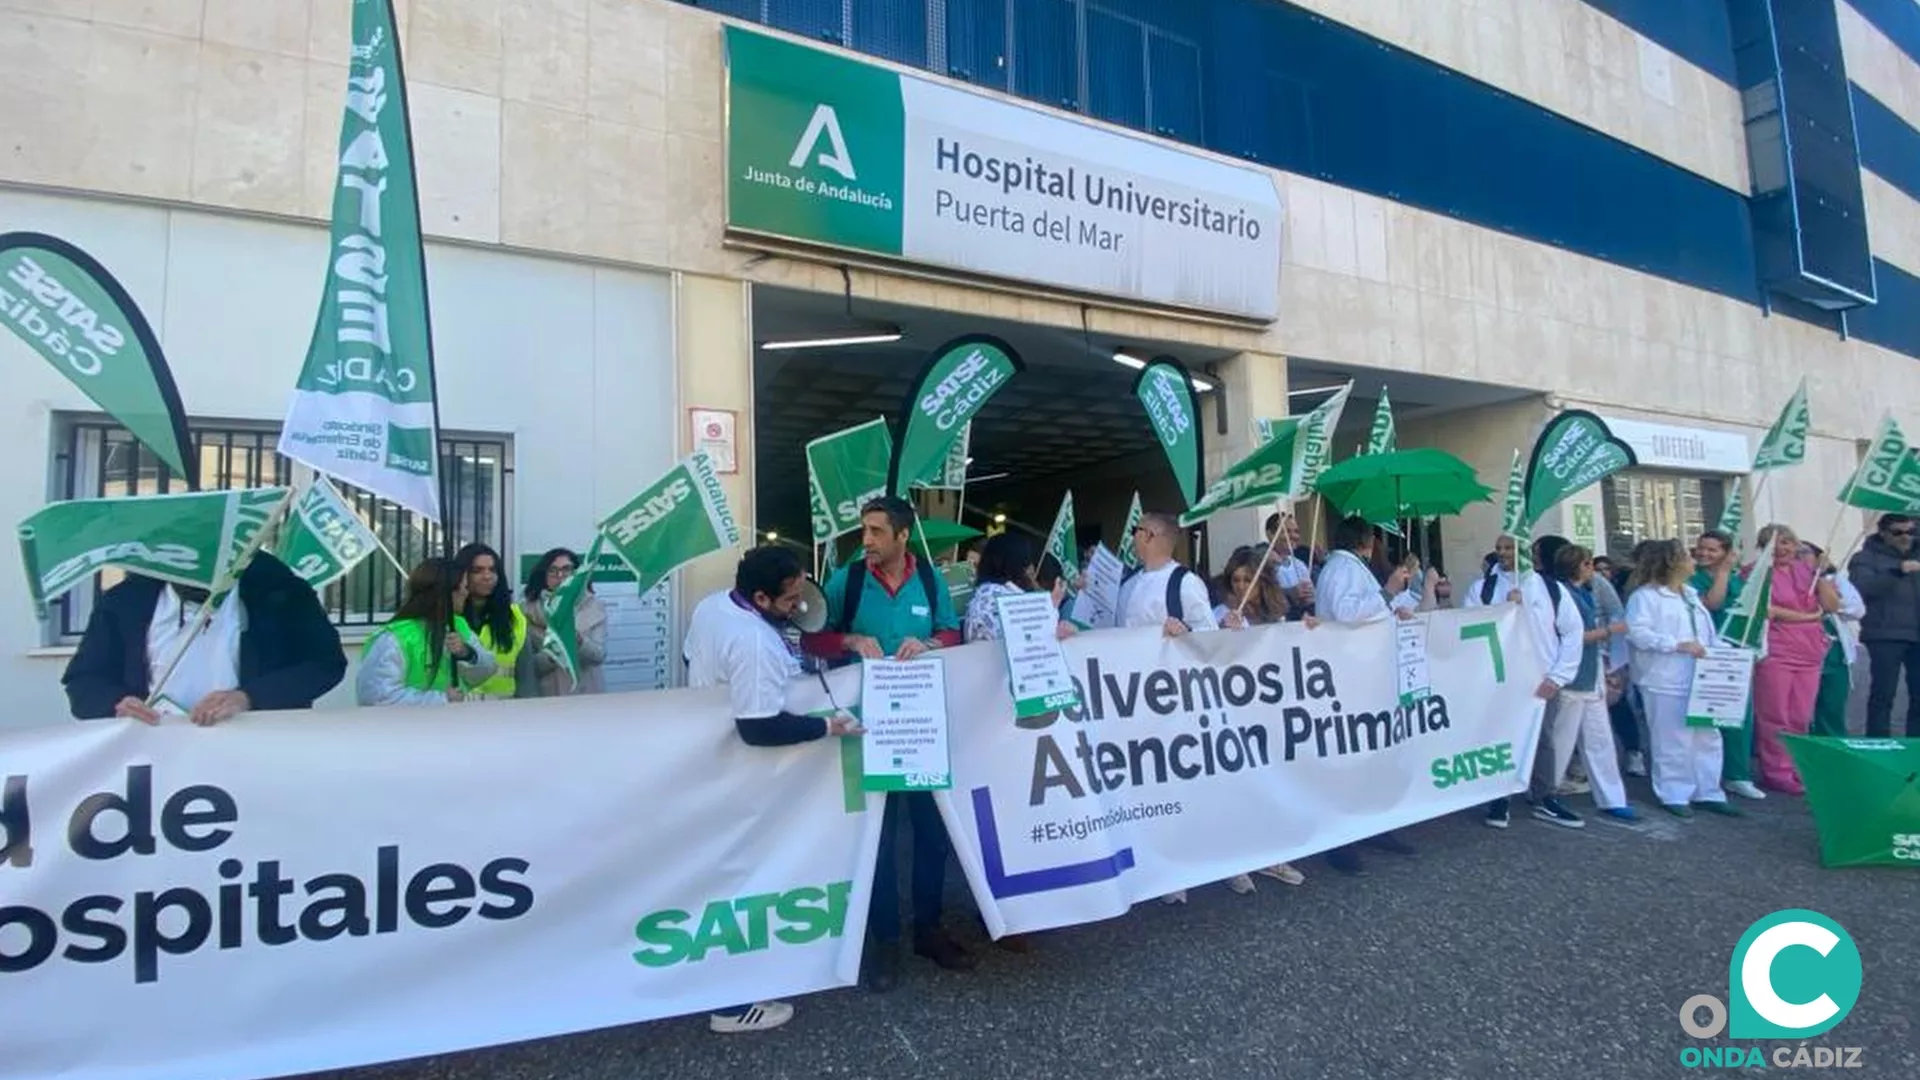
x,y
1580,719
1686,760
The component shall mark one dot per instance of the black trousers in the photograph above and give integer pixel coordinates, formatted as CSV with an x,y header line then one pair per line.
x,y
928,872
1887,658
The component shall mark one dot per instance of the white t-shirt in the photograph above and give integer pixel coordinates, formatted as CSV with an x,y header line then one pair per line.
x,y
1348,591
736,647
212,661
1143,600
1290,572
1504,582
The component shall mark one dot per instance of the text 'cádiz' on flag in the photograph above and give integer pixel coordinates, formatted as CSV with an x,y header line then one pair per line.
x,y
71,311
1786,441
683,516
1061,542
363,409
1889,479
1513,516
1575,451
195,539
1382,438
1130,558
1166,391
1295,452
562,641
322,539
954,385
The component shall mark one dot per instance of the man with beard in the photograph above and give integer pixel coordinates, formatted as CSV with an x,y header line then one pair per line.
x,y
735,640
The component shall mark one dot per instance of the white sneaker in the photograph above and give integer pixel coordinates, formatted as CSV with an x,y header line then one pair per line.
x,y
1240,883
764,1016
1636,764
1746,789
1175,897
1573,787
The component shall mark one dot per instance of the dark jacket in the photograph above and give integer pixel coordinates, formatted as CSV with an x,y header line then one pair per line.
x,y
289,653
1893,597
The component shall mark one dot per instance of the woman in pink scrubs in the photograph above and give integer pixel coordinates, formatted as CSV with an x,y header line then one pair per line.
x,y
1786,683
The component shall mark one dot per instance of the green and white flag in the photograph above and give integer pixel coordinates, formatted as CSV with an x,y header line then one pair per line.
x,y
1313,447
1166,391
71,311
1062,543
1786,441
1513,517
363,409
1746,621
1128,557
561,643
1889,479
950,474
846,470
1382,438
957,381
1734,515
1575,451
196,539
681,517
322,539
1265,476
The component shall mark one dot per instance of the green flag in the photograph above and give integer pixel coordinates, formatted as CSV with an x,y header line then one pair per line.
x,y
1786,441
950,472
1863,798
1574,452
193,539
845,470
561,643
1263,431
1062,542
1734,515
364,408
1264,476
71,311
323,539
1313,448
1745,623
954,385
1513,519
1166,391
681,517
1888,480
1128,557
1382,438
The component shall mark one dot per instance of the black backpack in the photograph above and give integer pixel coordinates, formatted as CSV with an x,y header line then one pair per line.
x,y
1175,608
857,587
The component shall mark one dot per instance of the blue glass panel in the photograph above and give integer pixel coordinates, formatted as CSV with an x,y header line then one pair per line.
x,y
1116,69
1046,52
977,41
817,19
1888,147
1174,77
891,28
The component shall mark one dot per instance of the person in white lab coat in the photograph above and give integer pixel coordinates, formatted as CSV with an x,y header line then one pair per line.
x,y
1499,581
1669,629
1558,631
1347,592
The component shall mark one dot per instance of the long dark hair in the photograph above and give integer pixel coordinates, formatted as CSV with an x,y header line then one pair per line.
x,y
430,588
1008,559
536,586
494,614
1269,603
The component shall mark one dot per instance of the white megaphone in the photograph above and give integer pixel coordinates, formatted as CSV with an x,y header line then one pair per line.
x,y
810,614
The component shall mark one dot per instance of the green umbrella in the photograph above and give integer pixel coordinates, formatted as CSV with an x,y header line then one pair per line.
x,y
1403,484
940,534
1865,798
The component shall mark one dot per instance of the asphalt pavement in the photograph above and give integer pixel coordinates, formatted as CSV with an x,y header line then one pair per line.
x,y
1533,953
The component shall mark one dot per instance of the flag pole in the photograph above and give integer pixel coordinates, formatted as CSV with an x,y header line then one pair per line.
x,y
206,609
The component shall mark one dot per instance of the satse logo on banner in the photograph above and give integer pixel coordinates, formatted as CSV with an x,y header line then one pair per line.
x,y
1795,974
825,123
224,905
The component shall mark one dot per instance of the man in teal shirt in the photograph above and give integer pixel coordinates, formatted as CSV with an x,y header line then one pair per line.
x,y
1716,577
891,604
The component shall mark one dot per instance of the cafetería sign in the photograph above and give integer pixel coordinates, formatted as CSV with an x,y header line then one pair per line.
x,y
831,152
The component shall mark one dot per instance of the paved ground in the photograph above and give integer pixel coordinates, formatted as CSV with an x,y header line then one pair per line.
x,y
1529,954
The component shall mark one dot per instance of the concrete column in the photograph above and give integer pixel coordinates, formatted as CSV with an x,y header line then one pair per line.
x,y
713,358
1253,386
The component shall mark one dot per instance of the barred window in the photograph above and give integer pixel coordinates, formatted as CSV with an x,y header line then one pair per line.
x,y
95,457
